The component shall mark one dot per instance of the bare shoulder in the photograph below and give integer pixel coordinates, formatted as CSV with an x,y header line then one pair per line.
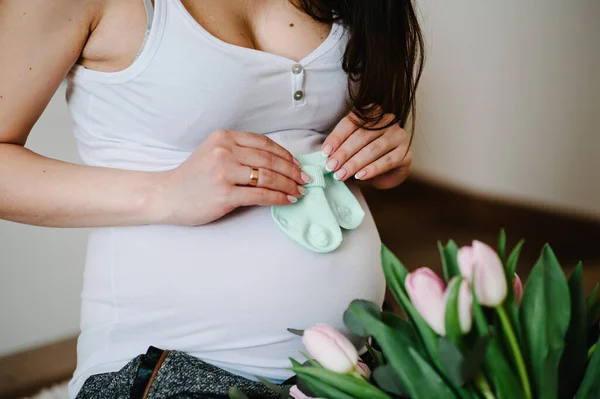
x,y
85,13
40,40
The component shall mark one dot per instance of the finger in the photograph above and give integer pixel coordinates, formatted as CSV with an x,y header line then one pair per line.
x,y
249,196
270,180
267,160
366,156
395,159
352,146
262,142
340,133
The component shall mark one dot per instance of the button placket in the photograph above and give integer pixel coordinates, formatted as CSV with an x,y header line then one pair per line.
x,y
298,94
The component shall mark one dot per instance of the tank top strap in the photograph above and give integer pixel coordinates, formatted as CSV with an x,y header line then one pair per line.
x,y
148,4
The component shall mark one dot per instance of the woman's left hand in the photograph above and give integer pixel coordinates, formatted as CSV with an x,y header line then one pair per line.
x,y
380,156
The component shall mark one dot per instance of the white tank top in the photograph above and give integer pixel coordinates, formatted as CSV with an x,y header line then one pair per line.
x,y
225,292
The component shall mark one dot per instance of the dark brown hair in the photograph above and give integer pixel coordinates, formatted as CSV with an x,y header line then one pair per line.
x,y
384,57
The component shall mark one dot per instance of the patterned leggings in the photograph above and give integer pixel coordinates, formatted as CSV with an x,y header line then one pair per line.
x,y
161,374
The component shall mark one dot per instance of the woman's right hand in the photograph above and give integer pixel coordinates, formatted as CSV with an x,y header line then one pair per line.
x,y
213,181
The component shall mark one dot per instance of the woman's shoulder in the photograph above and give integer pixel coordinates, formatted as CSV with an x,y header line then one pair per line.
x,y
116,35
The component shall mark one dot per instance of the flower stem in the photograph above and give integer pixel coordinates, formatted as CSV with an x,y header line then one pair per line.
x,y
591,351
516,351
356,374
484,386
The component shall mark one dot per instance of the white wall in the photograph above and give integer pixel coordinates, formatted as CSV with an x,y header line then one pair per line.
x,y
510,100
508,106
41,269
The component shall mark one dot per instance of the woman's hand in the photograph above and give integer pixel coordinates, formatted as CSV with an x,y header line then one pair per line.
x,y
380,156
214,180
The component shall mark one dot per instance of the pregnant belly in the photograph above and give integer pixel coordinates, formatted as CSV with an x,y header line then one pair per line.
x,y
235,285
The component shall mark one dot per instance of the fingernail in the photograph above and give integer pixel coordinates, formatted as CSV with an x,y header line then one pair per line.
x,y
327,150
306,178
292,199
297,162
360,174
340,174
301,190
331,165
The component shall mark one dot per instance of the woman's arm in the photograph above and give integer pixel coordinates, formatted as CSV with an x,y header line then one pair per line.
x,y
40,40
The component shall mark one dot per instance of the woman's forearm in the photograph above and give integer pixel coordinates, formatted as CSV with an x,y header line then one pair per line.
x,y
45,192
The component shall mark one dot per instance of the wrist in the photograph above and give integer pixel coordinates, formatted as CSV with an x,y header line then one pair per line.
x,y
154,206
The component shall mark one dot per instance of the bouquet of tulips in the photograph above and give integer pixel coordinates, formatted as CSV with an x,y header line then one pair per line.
x,y
475,334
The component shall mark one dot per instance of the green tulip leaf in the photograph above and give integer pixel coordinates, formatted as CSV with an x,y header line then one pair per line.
x,y
510,304
404,327
453,331
573,361
449,255
377,355
513,259
395,274
386,379
461,366
296,332
592,297
502,246
453,361
441,389
349,384
545,314
480,321
593,314
285,392
501,371
590,386
355,324
322,389
408,364
304,388
235,393
389,260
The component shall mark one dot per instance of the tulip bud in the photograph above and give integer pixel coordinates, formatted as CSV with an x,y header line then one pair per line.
x,y
465,304
490,280
518,289
363,369
426,292
330,348
296,393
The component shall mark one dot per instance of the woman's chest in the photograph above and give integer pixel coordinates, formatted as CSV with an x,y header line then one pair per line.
x,y
188,83
271,26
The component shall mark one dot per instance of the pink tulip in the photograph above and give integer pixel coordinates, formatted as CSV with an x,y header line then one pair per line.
x,y
330,348
363,369
490,280
297,394
465,303
518,289
426,292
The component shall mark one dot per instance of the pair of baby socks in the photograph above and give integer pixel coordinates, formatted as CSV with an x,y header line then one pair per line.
x,y
316,219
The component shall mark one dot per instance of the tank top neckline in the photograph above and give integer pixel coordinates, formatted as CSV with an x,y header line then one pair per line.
x,y
335,34
153,39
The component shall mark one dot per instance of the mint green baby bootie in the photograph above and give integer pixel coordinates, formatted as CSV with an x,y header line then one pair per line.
x,y
315,220
344,205
310,221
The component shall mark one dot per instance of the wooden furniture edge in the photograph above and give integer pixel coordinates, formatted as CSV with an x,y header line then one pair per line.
x,y
29,371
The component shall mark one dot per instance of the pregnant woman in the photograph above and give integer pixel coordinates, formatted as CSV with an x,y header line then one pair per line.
x,y
190,118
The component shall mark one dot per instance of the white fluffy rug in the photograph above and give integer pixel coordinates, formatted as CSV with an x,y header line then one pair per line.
x,y
56,392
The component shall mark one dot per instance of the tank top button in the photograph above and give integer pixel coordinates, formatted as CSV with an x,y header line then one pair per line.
x,y
297,69
299,95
